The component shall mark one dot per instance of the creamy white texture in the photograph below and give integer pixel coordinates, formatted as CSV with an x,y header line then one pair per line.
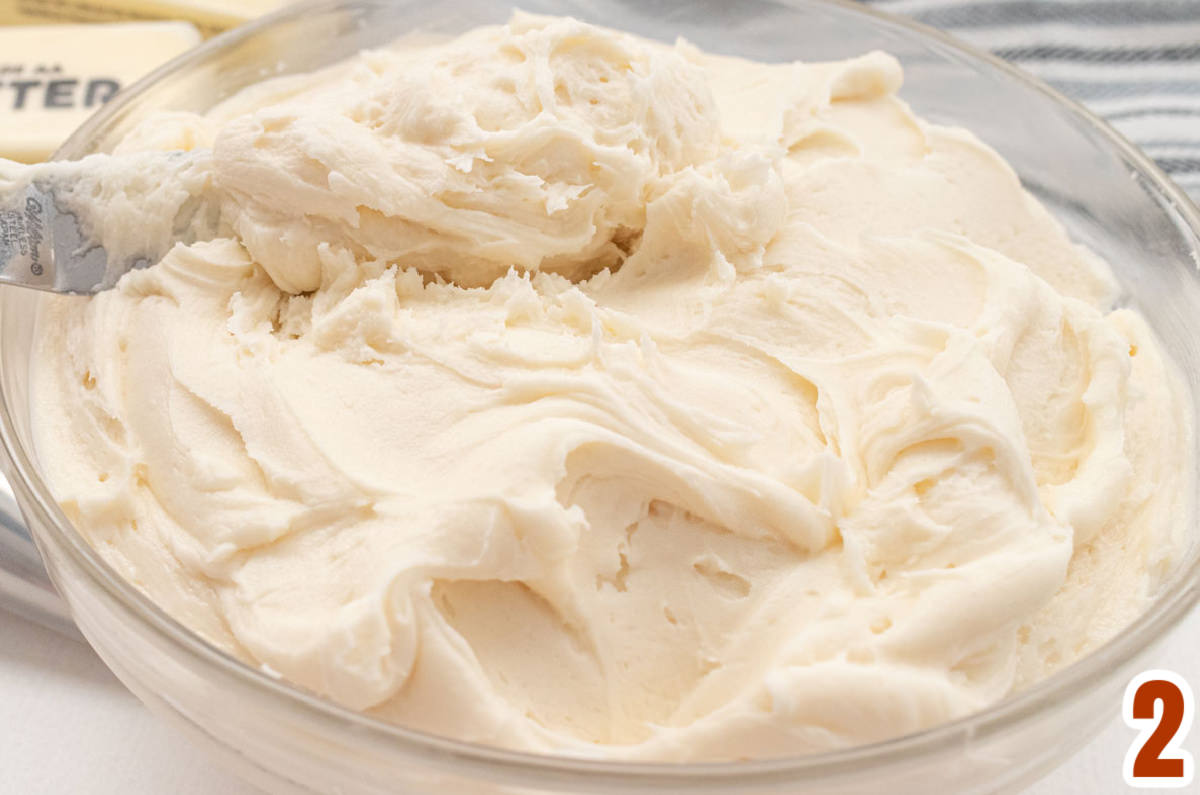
x,y
560,390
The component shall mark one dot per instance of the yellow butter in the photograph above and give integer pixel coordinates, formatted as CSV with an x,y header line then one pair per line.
x,y
210,16
52,77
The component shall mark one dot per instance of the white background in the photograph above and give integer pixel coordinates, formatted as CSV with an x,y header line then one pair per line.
x,y
68,726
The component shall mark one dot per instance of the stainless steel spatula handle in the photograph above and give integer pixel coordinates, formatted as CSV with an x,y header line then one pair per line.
x,y
26,256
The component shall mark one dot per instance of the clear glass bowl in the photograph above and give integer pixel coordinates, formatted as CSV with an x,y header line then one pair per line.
x,y
1108,194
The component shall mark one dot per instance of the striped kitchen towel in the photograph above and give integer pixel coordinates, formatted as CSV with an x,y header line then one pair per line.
x,y
1134,62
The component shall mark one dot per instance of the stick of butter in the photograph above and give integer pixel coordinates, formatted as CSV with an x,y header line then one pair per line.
x,y
52,77
210,16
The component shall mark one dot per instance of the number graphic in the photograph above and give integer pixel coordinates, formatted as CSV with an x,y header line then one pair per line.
x,y
1159,705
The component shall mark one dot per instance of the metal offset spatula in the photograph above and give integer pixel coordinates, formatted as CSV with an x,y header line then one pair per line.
x,y
53,234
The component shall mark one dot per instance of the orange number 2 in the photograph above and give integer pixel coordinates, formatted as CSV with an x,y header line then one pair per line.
x,y
1159,705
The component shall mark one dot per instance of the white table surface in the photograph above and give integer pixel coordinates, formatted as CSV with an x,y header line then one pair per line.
x,y
68,726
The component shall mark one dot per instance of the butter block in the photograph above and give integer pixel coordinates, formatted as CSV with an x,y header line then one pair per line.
x,y
52,77
209,16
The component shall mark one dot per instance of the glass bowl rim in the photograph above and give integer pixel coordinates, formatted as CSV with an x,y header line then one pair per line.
x,y
1177,595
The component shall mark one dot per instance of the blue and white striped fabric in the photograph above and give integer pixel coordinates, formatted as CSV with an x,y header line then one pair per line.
x,y
1134,62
